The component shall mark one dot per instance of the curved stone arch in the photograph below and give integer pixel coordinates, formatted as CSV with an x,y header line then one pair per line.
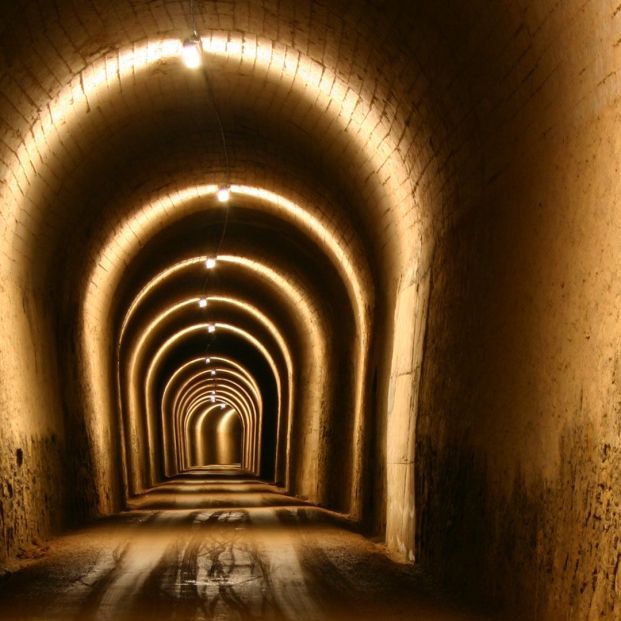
x,y
188,390
138,476
199,379
230,396
133,367
216,358
149,216
205,389
85,92
300,306
232,367
220,372
203,395
130,396
249,450
226,300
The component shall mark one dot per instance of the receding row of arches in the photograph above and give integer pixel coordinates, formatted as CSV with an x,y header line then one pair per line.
x,y
206,310
129,149
410,313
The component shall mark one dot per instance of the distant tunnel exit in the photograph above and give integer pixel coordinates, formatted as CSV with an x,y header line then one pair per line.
x,y
218,438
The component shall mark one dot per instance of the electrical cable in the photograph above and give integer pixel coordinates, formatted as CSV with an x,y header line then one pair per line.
x,y
227,166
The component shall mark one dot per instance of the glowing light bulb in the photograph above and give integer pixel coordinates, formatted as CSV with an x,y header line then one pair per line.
x,y
213,373
202,302
191,53
207,360
211,328
222,406
210,263
212,399
224,194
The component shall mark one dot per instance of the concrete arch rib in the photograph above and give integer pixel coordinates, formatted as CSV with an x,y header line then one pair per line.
x,y
215,374
188,441
196,387
143,476
309,320
321,87
130,378
230,397
210,392
186,372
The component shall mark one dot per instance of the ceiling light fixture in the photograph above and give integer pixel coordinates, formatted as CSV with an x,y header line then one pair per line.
x,y
222,406
202,302
210,263
191,52
213,373
207,360
224,194
211,328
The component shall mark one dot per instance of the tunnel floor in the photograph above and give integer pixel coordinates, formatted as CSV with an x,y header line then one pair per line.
x,y
226,548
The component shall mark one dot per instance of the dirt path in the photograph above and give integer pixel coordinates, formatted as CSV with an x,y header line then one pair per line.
x,y
243,551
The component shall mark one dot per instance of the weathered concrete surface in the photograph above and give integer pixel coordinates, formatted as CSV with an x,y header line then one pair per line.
x,y
518,436
527,537
28,494
270,562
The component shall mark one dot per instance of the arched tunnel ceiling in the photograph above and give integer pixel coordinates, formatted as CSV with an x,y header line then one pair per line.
x,y
279,90
133,77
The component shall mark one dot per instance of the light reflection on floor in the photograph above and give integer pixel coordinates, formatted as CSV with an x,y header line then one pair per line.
x,y
223,550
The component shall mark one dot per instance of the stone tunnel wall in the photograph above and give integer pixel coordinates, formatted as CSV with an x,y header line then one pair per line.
x,y
519,446
33,454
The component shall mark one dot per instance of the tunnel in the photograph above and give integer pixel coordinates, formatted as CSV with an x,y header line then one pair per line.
x,y
310,309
